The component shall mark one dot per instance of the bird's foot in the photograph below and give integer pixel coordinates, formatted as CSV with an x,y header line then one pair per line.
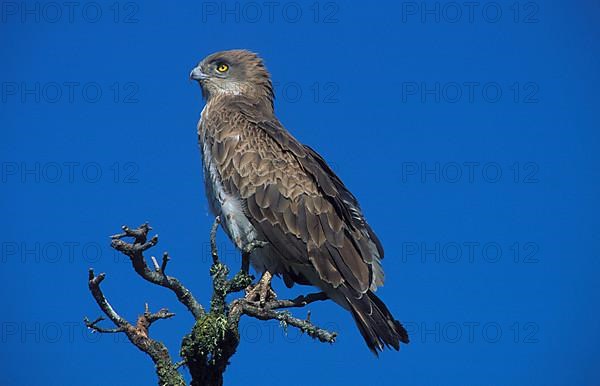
x,y
261,292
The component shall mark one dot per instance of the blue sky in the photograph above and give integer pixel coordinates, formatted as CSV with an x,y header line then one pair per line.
x,y
468,133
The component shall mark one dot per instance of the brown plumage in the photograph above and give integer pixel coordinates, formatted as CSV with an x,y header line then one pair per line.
x,y
268,186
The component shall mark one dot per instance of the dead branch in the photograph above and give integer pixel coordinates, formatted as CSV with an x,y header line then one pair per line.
x,y
214,338
138,334
135,252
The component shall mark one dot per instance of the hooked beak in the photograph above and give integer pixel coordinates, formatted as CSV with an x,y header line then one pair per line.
x,y
197,74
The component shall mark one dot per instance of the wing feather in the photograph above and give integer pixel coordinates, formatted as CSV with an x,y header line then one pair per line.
x,y
298,203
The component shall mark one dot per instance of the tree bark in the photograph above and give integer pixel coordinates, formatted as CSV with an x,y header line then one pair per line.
x,y
207,349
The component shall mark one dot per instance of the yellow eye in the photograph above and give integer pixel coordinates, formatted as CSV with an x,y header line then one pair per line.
x,y
222,67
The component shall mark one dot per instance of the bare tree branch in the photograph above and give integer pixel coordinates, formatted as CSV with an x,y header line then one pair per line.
x,y
165,261
94,285
287,319
135,253
93,325
138,334
300,301
214,338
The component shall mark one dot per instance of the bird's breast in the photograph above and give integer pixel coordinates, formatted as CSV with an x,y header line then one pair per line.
x,y
227,205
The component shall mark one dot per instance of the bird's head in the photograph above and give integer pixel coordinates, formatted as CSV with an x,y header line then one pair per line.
x,y
234,72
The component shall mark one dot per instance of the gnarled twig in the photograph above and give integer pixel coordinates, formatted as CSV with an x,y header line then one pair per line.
x,y
135,253
137,334
206,350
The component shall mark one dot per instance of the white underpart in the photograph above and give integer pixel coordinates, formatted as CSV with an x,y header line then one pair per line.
x,y
227,206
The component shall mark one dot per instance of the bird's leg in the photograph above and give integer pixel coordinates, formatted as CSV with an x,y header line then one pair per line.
x,y
243,279
246,262
262,291
247,251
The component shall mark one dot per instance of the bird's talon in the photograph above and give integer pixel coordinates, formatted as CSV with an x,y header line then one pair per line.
x,y
261,292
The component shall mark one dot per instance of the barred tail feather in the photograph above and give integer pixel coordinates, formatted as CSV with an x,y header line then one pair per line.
x,y
376,324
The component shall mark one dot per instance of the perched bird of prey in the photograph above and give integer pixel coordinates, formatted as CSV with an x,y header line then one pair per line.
x,y
271,190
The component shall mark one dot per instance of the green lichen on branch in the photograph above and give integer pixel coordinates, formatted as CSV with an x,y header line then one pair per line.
x,y
240,281
206,338
219,273
215,337
167,373
208,348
